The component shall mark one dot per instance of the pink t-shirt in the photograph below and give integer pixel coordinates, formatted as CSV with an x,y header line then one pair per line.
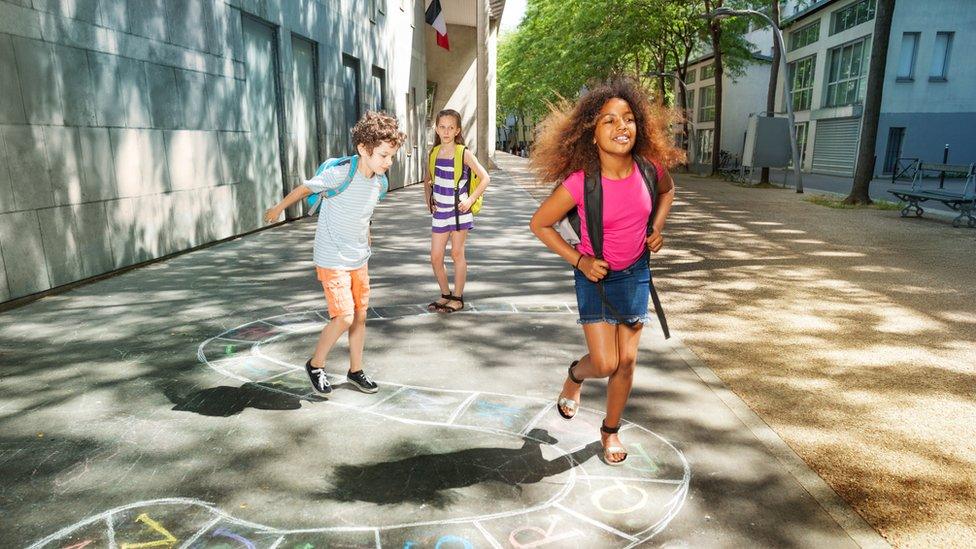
x,y
626,207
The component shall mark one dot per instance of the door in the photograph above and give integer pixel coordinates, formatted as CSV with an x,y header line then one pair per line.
x,y
305,120
835,146
262,108
896,137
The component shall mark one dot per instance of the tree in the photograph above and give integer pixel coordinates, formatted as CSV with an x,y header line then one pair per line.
x,y
563,44
715,31
773,75
872,105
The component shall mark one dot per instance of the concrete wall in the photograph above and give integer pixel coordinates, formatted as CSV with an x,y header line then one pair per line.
x,y
124,132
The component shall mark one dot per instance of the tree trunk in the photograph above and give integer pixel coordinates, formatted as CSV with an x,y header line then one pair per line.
x,y
872,104
773,75
716,32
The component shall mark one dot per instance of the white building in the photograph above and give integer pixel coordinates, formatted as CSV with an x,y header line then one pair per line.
x,y
928,98
742,95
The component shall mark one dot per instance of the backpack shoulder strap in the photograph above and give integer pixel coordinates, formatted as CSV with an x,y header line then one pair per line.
x,y
593,206
431,161
353,162
649,173
384,186
458,164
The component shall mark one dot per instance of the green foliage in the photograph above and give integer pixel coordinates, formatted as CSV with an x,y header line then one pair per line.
x,y
563,44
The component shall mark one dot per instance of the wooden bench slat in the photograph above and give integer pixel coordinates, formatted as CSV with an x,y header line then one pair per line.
x,y
926,166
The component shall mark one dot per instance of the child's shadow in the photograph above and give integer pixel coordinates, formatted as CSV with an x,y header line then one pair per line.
x,y
225,401
425,479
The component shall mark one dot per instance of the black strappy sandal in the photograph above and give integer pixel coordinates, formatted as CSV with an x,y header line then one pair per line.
x,y
436,307
568,403
448,309
607,450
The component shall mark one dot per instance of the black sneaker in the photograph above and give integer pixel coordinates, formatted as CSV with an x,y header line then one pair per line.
x,y
317,375
362,382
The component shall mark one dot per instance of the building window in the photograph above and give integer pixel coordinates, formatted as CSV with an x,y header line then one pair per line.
x,y
805,36
847,73
801,82
706,104
703,152
940,56
708,71
690,105
906,60
851,16
691,76
379,88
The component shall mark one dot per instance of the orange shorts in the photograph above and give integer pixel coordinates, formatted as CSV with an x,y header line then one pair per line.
x,y
345,291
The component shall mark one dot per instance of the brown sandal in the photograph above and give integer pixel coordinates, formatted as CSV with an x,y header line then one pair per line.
x,y
436,307
448,309
568,403
608,450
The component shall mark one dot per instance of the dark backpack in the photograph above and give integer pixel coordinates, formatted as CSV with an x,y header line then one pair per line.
x,y
593,206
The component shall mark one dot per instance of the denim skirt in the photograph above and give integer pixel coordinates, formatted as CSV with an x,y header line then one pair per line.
x,y
626,290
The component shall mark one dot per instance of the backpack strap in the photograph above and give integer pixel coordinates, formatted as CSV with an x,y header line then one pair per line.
x,y
649,172
458,165
593,207
353,163
431,160
458,171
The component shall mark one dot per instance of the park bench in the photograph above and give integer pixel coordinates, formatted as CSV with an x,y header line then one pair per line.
x,y
963,202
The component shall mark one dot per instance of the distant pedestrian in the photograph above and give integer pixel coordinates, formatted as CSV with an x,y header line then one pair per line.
x,y
613,143
452,171
342,241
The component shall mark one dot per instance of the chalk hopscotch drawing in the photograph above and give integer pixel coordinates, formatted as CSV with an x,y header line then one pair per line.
x,y
597,505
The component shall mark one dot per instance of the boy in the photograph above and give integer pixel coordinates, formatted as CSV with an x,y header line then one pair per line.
x,y
342,243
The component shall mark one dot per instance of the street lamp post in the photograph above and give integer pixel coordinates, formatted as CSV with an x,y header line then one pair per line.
x,y
691,138
723,12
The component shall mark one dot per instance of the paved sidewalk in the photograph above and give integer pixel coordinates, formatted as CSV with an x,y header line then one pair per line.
x,y
167,405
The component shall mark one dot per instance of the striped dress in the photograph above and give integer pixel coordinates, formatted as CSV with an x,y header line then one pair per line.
x,y
446,218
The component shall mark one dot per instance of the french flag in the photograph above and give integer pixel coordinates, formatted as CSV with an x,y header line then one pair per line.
x,y
434,16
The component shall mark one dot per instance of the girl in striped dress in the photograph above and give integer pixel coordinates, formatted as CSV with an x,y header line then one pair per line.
x,y
450,210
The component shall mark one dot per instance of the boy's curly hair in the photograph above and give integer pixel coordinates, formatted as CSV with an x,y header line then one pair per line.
x,y
564,143
376,127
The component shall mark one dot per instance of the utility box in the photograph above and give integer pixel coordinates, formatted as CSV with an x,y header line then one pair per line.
x,y
767,142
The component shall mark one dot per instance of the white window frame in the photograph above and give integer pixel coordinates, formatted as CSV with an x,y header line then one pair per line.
x,y
702,105
944,53
806,91
834,82
908,40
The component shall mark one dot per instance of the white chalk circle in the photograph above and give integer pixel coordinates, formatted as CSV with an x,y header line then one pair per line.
x,y
570,499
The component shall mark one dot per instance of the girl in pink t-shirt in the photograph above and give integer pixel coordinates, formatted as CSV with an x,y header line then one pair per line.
x,y
607,129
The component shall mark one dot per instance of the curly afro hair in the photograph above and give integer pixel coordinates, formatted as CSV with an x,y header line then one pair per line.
x,y
375,128
564,143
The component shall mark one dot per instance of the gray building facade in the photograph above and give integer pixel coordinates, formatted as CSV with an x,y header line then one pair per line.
x,y
927,100
131,130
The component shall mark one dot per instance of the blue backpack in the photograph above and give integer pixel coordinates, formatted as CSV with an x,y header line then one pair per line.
x,y
314,201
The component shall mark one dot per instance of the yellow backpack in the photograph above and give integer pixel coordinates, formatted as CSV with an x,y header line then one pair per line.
x,y
458,167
